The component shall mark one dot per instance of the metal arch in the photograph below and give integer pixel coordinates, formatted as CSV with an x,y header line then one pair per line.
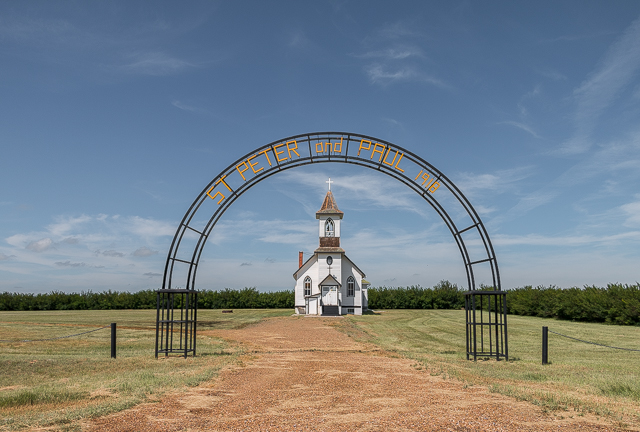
x,y
346,140
403,178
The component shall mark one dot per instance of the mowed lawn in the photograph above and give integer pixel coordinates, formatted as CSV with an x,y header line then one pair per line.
x,y
59,383
581,377
62,381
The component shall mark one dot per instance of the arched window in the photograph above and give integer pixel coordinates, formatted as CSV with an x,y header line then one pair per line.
x,y
329,230
351,287
307,286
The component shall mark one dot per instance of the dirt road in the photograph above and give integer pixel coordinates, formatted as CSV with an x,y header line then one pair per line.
x,y
307,376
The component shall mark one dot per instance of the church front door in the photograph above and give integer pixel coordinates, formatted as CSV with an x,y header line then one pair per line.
x,y
330,300
330,295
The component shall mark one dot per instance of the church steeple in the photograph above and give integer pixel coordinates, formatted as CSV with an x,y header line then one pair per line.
x,y
329,217
329,206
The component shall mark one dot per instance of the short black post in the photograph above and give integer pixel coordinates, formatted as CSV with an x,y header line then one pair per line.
x,y
113,340
545,345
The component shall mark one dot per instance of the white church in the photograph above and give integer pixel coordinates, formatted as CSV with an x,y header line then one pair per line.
x,y
329,283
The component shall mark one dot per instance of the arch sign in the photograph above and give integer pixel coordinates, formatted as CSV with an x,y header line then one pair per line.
x,y
462,220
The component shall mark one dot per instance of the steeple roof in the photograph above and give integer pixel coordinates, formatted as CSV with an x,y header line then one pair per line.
x,y
329,205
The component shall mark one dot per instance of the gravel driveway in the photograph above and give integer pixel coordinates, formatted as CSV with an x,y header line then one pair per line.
x,y
304,375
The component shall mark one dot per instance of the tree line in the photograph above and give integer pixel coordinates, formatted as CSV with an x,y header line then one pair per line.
x,y
246,298
615,303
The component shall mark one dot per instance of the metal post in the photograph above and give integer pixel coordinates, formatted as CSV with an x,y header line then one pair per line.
x,y
113,340
505,344
545,345
185,318
195,320
467,317
158,320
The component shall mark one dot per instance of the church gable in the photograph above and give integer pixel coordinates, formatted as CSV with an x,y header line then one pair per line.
x,y
312,260
351,263
330,280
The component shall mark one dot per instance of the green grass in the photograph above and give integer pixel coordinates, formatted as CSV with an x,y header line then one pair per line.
x,y
58,383
55,383
581,377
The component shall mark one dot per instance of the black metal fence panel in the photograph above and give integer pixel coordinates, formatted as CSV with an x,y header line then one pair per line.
x,y
176,317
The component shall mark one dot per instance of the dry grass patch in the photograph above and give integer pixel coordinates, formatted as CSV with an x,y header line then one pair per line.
x,y
55,384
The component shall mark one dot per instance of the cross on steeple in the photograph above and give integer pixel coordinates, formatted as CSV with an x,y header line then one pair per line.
x,y
329,182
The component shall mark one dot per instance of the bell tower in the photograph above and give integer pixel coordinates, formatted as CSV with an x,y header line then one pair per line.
x,y
329,218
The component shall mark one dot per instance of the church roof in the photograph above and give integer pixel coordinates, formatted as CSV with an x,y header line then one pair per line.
x,y
329,205
329,249
330,280
313,258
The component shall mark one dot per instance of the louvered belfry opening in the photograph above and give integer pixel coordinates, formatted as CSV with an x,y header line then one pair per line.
x,y
176,315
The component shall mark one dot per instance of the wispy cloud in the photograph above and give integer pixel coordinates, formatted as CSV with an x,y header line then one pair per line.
x,y
564,241
382,74
368,191
398,30
392,121
522,126
523,112
393,56
183,106
144,252
267,231
619,157
63,226
553,75
148,228
397,53
154,63
111,253
497,182
88,243
576,37
632,213
190,107
619,65
34,29
40,245
298,39
70,264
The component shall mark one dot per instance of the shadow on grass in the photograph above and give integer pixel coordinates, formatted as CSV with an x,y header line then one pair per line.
x,y
210,324
214,354
370,312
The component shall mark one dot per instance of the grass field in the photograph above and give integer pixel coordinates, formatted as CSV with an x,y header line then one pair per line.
x,y
59,383
581,377
63,381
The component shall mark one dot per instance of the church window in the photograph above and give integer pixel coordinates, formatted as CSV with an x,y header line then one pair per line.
x,y
329,229
351,284
307,286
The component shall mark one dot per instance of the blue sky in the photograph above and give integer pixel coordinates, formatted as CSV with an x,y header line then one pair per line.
x,y
115,115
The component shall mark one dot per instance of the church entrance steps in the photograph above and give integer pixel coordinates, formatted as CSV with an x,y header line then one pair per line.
x,y
330,310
